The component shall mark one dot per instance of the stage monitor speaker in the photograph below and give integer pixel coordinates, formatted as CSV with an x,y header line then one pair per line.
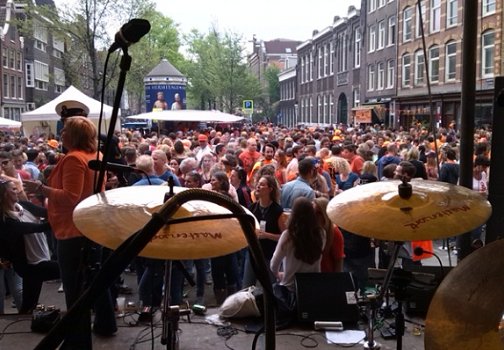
x,y
329,296
420,294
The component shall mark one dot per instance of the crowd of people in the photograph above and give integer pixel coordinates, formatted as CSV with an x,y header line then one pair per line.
x,y
284,176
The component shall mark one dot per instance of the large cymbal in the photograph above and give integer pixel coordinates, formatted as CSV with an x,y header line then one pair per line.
x,y
435,210
467,308
110,217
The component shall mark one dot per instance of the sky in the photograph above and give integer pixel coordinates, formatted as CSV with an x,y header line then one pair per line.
x,y
267,19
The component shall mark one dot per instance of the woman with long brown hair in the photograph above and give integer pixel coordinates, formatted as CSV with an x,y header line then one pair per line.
x,y
300,247
333,254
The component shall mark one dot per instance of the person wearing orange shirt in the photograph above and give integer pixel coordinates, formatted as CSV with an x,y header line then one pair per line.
x,y
70,182
250,156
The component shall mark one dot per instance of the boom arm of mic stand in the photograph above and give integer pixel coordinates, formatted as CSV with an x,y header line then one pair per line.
x,y
125,65
130,248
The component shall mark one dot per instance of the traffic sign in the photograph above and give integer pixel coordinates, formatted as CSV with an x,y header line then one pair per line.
x,y
248,106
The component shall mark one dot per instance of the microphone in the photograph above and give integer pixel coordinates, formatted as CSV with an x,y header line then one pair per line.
x,y
130,33
115,167
418,251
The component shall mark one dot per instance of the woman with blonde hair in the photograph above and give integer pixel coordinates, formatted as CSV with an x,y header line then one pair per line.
x,y
70,182
205,167
345,178
369,173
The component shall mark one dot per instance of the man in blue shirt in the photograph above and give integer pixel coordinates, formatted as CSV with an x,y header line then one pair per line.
x,y
300,187
145,164
161,168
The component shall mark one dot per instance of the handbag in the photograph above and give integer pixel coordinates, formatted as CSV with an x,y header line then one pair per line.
x,y
240,304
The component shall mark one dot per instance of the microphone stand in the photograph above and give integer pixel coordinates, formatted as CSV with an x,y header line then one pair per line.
x,y
130,248
124,65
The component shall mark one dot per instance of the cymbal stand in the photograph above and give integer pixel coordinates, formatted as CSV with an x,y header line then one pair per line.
x,y
122,256
171,313
370,343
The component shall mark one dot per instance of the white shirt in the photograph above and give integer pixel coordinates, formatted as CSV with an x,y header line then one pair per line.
x,y
284,255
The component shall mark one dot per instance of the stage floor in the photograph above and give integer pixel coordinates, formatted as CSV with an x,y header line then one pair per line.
x,y
15,330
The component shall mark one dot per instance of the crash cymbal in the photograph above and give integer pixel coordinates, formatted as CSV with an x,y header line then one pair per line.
x,y
434,210
468,305
110,217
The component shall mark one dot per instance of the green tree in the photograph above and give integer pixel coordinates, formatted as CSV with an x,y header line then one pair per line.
x,y
162,42
83,27
273,87
218,76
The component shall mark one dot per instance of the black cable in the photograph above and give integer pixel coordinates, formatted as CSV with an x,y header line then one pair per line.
x,y
10,324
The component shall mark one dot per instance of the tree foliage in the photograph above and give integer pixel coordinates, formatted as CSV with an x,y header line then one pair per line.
x,y
162,42
218,76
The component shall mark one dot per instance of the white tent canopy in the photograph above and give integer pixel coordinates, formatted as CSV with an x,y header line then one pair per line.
x,y
46,117
190,115
9,124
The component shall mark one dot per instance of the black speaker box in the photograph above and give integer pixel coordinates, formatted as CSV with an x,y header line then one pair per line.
x,y
419,295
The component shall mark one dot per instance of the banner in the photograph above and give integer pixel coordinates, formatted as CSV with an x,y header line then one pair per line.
x,y
164,97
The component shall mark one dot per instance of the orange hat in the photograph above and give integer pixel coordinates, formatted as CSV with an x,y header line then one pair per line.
x,y
202,137
53,144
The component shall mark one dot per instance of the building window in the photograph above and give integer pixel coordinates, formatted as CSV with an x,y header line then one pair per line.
x,y
59,80
320,66
319,109
407,32
29,75
371,77
341,52
12,59
435,16
326,109
451,61
5,59
331,108
310,111
356,96
331,58
488,7
381,3
372,38
310,67
41,75
419,67
451,13
18,61
434,64
487,54
326,61
390,74
5,86
391,31
357,51
418,26
58,48
302,78
381,76
40,36
381,35
372,5
20,88
13,86
406,70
